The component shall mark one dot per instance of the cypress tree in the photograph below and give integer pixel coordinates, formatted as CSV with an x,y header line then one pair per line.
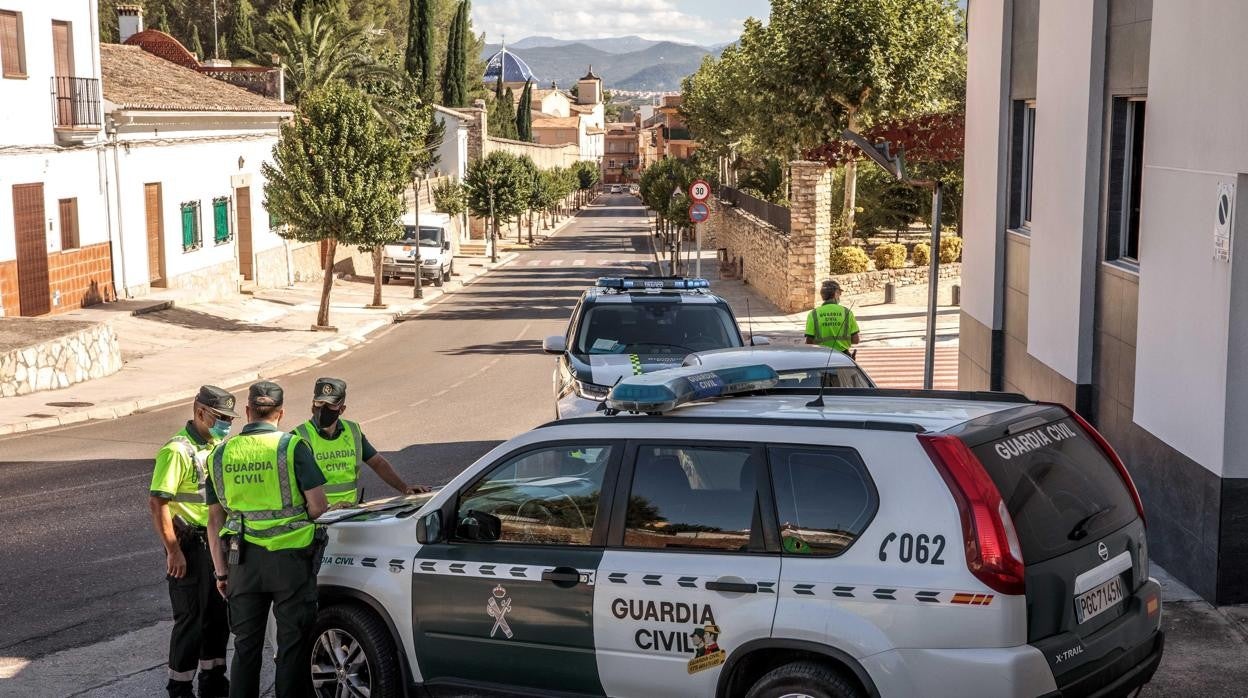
x,y
162,21
419,57
455,88
194,45
524,114
242,33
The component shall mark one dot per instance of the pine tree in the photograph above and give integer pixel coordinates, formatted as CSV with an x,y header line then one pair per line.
x,y
419,58
455,88
194,45
242,33
524,114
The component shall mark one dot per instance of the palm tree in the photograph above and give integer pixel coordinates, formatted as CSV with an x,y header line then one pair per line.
x,y
317,48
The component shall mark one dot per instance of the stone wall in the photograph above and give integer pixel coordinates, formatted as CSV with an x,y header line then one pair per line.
x,y
757,253
544,156
75,352
907,276
209,283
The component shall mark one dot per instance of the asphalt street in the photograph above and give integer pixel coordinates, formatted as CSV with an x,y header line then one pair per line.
x,y
81,562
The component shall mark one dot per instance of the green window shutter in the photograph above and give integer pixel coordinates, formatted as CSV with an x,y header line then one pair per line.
x,y
189,226
221,220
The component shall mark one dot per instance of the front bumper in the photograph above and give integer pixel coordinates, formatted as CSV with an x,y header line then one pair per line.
x,y
405,271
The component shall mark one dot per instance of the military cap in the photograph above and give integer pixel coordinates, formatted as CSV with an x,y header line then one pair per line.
x,y
216,399
265,394
331,391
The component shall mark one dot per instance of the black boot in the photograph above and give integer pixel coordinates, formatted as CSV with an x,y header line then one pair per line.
x,y
180,689
213,684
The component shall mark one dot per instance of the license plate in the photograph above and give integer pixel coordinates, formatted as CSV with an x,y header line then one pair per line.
x,y
1096,601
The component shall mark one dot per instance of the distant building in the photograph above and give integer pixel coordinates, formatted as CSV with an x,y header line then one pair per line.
x,y
620,162
560,118
514,71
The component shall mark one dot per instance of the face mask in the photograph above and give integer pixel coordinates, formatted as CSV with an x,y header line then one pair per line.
x,y
220,428
325,417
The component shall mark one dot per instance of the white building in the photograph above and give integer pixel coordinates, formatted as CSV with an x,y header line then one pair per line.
x,y
1105,157
54,238
453,151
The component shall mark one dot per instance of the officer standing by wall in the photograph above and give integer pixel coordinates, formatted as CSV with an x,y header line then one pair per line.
x,y
180,517
265,493
832,325
340,446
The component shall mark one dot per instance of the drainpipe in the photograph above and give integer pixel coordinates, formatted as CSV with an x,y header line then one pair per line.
x,y
111,129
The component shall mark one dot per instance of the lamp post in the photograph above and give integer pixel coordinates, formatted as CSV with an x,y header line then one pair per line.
x,y
492,224
418,285
895,165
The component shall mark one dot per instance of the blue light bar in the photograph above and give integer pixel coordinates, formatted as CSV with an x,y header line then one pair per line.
x,y
663,391
629,283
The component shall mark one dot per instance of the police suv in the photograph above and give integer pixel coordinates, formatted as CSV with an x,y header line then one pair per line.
x,y
686,543
633,325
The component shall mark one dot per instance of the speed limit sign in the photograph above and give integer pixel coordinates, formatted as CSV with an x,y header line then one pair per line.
x,y
700,190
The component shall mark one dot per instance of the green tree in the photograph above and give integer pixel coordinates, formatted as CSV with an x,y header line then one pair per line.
x,y
455,87
194,45
418,60
242,29
337,176
502,116
495,188
450,198
319,48
524,114
530,182
765,179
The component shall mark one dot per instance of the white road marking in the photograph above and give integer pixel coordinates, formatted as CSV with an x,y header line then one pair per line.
x,y
380,416
533,263
440,393
556,262
520,336
418,402
578,262
605,262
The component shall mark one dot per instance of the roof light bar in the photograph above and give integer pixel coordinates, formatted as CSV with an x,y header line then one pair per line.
x,y
630,283
663,391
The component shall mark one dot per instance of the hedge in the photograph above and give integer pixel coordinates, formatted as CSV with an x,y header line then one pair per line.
x,y
921,254
950,250
890,255
849,260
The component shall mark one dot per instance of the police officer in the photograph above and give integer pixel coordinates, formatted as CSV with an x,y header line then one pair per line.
x,y
340,446
180,517
265,492
832,325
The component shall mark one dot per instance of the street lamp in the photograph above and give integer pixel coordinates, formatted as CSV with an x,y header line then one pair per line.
x,y
895,165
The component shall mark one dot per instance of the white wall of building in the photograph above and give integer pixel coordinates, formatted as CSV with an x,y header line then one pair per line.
x,y
1069,94
26,114
453,151
191,165
65,174
1195,138
984,192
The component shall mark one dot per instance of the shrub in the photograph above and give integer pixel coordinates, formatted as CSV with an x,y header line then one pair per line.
x,y
921,254
890,255
950,250
849,260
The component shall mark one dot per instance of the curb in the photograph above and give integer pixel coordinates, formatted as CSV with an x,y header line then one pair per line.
x,y
305,358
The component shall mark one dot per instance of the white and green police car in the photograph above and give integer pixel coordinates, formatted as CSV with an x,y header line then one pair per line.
x,y
685,543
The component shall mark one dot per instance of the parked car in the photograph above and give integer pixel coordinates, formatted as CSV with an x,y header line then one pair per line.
x,y
615,189
873,543
798,365
437,263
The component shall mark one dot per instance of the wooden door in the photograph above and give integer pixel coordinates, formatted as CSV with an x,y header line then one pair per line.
x,y
155,234
242,198
63,68
34,296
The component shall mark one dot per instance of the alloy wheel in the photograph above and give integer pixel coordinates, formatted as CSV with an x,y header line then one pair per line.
x,y
340,666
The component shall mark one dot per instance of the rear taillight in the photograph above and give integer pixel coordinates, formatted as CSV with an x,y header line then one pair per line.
x,y
993,554
1112,455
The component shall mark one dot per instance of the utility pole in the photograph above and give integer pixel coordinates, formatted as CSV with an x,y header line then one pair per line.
x,y
418,284
492,224
215,52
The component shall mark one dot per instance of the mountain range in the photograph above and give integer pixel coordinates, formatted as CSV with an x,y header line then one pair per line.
x,y
625,63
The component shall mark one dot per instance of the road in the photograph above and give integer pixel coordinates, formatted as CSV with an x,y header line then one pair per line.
x,y
81,563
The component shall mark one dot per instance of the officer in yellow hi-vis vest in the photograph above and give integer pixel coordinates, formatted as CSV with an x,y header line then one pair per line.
x,y
180,517
265,493
340,446
832,325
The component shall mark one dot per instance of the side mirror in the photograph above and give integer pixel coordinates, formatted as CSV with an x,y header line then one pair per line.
x,y
760,341
446,245
429,528
479,526
555,344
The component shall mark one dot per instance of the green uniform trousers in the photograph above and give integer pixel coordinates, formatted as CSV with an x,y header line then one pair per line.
x,y
285,580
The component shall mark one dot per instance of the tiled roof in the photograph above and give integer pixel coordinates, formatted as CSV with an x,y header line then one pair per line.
x,y
161,44
582,108
594,130
136,79
557,122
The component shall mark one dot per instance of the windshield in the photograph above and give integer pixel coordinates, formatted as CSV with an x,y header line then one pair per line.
x,y
839,377
655,328
429,236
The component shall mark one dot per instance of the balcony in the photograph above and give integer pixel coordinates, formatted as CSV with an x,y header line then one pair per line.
x,y
76,112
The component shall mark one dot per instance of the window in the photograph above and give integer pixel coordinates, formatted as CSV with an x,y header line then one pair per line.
x,y
655,328
824,498
69,223
693,498
611,163
1021,164
221,220
1126,170
192,239
12,44
548,496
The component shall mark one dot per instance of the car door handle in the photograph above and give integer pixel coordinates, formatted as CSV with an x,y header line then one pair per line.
x,y
562,575
736,587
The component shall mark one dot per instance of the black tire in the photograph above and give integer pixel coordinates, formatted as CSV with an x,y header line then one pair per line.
x,y
385,280
437,280
446,274
356,631
803,679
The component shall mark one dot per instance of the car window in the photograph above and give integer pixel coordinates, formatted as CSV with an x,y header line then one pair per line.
x,y
839,377
689,497
545,496
824,498
645,327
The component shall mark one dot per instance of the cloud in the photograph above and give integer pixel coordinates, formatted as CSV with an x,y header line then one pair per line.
x,y
580,19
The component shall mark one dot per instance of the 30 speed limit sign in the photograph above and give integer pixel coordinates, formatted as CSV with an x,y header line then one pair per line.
x,y
700,190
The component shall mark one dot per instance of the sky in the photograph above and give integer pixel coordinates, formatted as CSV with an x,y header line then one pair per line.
x,y
702,22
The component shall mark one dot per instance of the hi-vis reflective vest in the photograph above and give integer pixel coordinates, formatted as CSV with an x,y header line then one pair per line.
x,y
832,325
339,459
253,476
188,497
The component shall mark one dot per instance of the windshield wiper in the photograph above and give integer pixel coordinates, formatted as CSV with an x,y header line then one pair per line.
x,y
1079,531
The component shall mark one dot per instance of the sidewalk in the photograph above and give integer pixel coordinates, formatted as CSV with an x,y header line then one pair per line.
x,y
892,344
169,348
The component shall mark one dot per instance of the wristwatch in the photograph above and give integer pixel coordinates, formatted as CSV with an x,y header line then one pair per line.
x,y
220,577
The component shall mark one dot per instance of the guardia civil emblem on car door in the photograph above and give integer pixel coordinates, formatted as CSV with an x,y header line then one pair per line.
x,y
706,650
498,607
